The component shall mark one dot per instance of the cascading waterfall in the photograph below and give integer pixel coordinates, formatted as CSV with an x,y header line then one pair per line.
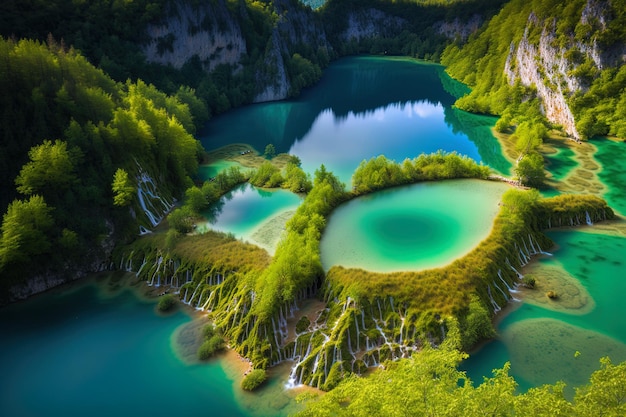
x,y
588,219
495,305
152,204
506,296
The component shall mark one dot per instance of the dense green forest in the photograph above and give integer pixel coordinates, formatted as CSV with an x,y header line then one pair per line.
x,y
73,150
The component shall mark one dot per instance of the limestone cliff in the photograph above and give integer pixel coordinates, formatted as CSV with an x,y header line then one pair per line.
x,y
209,32
214,32
551,62
371,23
459,29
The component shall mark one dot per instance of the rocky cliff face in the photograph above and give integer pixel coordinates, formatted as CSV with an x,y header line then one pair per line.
x,y
97,260
212,31
372,23
550,65
459,29
294,27
208,31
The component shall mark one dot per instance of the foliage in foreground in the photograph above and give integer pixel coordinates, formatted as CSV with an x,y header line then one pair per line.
x,y
254,379
166,303
212,344
430,384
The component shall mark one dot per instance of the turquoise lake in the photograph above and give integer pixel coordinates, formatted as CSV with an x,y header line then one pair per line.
x,y
81,352
411,228
247,209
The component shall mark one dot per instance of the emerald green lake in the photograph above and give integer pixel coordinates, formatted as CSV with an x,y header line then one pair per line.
x,y
610,155
246,210
414,227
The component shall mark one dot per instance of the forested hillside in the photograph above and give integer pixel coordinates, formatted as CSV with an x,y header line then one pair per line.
x,y
568,55
75,147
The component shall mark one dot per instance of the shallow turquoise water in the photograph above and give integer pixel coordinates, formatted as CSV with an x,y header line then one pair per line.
x,y
597,261
611,155
243,210
209,171
363,107
561,163
81,354
414,227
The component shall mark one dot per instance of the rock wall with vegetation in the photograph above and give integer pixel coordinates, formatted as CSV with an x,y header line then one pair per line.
x,y
570,56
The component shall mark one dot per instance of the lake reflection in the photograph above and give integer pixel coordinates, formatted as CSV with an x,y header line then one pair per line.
x,y
398,131
361,108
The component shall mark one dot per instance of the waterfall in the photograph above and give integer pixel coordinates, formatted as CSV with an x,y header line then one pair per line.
x,y
588,219
508,287
149,200
356,324
193,295
519,275
143,263
275,335
506,296
495,305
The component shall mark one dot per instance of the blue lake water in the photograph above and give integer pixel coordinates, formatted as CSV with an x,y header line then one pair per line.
x,y
363,107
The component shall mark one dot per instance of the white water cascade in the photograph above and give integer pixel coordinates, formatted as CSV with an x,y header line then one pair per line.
x,y
153,205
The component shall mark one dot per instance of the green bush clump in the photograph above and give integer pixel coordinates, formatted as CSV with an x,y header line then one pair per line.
x,y
212,344
166,303
529,281
210,347
302,324
254,379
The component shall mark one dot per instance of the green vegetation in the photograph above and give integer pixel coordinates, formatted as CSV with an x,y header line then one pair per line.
x,y
250,296
254,379
76,147
407,26
166,303
598,106
182,219
378,173
113,34
430,383
529,281
212,344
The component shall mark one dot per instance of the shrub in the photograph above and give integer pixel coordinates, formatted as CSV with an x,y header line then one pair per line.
x,y
210,347
529,281
254,379
166,303
302,324
552,295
